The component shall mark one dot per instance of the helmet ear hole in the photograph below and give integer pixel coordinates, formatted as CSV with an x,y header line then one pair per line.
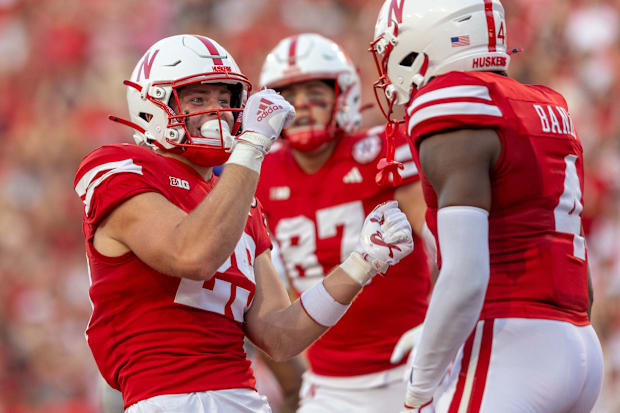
x,y
146,116
409,59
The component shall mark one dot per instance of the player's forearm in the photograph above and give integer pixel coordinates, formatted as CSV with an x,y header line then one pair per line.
x,y
209,234
293,329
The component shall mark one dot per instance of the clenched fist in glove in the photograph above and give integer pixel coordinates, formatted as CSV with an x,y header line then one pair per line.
x,y
265,114
385,239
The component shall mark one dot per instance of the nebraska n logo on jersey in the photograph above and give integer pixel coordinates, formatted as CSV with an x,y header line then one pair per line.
x,y
265,108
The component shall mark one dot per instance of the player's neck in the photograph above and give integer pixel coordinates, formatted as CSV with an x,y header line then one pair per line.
x,y
205,171
312,162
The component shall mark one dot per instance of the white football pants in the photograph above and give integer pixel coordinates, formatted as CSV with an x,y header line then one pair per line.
x,y
215,401
518,365
382,392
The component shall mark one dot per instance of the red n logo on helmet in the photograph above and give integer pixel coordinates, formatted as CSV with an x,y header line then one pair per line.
x,y
397,11
146,65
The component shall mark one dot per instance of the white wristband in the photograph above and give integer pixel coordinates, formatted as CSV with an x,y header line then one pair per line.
x,y
321,306
358,268
246,155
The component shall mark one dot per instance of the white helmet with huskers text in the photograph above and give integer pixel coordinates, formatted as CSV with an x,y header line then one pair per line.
x,y
416,40
170,64
311,56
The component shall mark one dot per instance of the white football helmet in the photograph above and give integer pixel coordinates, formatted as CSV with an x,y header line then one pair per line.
x,y
416,40
168,65
311,56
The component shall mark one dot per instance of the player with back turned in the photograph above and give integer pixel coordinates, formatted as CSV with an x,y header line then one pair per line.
x,y
502,172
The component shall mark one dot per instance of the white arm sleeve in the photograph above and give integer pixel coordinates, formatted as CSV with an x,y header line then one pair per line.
x,y
457,297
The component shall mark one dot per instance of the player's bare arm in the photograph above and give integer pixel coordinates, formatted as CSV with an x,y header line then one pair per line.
x,y
186,245
194,245
458,165
283,329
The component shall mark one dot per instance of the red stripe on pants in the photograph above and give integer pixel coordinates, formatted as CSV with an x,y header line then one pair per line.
x,y
460,385
484,358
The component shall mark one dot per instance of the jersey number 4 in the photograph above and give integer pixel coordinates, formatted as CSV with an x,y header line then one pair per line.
x,y
567,213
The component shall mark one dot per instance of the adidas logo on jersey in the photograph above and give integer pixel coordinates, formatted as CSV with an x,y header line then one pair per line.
x,y
266,108
179,183
353,176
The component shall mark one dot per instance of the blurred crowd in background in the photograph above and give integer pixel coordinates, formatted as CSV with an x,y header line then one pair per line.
x,y
62,63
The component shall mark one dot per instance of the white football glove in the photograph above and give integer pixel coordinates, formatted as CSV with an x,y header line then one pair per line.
x,y
408,341
265,114
386,236
384,240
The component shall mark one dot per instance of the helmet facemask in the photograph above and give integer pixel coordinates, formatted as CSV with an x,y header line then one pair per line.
x,y
409,72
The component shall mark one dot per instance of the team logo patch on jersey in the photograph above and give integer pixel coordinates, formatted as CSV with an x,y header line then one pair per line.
x,y
367,150
179,183
279,193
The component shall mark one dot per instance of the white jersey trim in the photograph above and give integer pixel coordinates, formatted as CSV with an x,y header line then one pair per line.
x,y
403,154
466,91
86,185
452,109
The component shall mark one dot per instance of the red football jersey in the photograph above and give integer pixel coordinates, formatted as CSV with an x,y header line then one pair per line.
x,y
316,220
151,333
537,254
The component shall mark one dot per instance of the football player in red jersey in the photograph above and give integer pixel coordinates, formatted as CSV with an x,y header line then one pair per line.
x,y
502,172
179,260
315,188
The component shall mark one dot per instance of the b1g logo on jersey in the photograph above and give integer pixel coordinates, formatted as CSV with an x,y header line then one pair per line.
x,y
179,183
